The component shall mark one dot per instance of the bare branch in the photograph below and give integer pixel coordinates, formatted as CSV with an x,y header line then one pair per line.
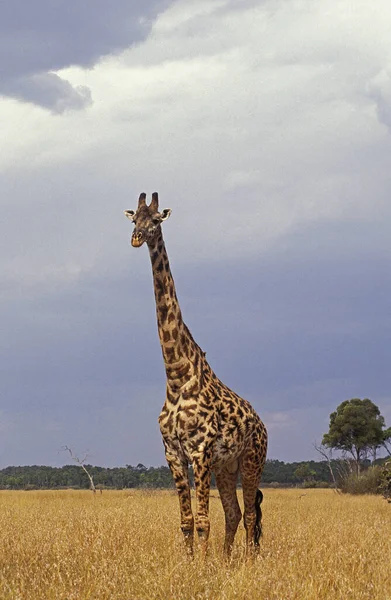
x,y
387,446
81,463
327,456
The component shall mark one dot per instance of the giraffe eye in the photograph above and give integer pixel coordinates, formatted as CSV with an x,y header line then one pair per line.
x,y
156,221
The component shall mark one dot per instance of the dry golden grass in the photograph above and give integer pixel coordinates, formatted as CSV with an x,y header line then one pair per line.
x,y
69,545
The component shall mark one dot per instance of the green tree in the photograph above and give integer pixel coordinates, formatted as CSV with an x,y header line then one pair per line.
x,y
304,472
356,428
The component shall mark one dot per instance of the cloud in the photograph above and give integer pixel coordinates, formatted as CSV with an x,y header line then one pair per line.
x,y
41,37
49,91
259,125
379,89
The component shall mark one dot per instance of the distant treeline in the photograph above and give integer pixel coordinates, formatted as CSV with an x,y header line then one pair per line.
x,y
41,477
73,476
276,472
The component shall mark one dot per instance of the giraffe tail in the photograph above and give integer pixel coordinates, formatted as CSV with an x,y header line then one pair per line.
x,y
258,522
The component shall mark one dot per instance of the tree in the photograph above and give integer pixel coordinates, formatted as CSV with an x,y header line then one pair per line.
x,y
304,472
357,429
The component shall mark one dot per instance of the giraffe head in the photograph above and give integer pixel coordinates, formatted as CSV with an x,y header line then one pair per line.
x,y
147,220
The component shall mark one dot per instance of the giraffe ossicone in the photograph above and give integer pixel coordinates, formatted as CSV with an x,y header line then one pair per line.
x,y
203,422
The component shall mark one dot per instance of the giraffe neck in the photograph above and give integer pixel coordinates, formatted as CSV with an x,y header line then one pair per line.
x,y
182,356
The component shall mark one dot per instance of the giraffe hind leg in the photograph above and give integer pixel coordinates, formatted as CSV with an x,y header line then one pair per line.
x,y
226,480
251,466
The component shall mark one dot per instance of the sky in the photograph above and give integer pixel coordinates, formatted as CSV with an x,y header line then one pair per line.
x,y
265,127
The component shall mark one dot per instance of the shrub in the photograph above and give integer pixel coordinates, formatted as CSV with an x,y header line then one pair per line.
x,y
385,481
323,484
366,483
311,483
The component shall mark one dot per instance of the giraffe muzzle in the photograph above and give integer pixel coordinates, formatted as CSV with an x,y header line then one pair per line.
x,y
137,240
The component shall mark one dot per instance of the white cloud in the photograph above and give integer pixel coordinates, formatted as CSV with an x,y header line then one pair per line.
x,y
264,109
265,114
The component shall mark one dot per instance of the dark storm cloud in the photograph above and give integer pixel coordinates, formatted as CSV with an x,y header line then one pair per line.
x,y
291,331
297,317
43,36
48,90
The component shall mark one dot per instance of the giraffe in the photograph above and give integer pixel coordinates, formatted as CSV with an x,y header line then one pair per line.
x,y
202,422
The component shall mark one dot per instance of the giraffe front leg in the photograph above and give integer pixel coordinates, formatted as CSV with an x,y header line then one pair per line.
x,y
202,476
180,473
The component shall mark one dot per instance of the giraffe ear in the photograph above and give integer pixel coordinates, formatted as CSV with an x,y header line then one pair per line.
x,y
130,214
165,214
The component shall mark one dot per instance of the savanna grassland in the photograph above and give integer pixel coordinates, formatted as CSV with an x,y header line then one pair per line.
x,y
70,545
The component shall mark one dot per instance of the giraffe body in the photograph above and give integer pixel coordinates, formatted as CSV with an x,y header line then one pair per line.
x,y
203,422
